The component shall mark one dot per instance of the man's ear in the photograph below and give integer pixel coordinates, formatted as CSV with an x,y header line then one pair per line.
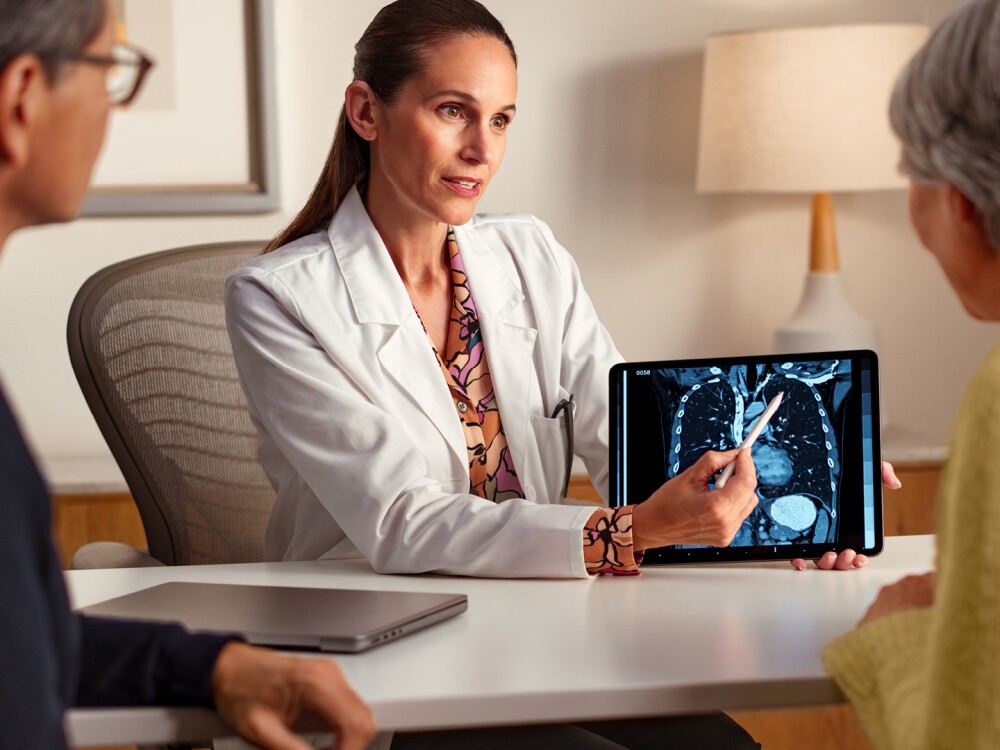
x,y
360,105
22,81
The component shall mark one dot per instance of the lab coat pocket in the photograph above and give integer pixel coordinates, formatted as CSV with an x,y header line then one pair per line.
x,y
550,446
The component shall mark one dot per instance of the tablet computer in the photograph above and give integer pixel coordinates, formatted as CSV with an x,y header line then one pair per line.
x,y
818,460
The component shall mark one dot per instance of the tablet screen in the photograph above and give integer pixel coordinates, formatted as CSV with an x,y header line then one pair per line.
x,y
818,459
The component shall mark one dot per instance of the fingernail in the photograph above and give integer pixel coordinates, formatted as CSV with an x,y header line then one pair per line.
x,y
861,560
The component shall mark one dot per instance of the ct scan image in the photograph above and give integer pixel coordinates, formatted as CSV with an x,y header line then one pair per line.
x,y
797,455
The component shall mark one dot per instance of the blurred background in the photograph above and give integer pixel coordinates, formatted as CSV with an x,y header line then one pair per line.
x,y
604,149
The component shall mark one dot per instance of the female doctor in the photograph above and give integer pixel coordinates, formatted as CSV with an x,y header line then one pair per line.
x,y
405,360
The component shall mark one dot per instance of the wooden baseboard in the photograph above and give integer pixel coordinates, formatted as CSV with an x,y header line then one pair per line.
x,y
910,509
79,519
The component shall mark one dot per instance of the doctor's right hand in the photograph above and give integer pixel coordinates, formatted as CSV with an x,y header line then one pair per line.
x,y
685,510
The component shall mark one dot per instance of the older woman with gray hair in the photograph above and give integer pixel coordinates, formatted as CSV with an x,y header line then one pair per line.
x,y
922,669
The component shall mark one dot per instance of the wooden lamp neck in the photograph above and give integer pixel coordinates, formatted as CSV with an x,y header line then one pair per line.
x,y
823,237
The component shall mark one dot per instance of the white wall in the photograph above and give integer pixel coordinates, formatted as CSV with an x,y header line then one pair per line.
x,y
604,150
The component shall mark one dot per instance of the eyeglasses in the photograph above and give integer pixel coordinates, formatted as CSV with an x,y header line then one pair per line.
x,y
127,69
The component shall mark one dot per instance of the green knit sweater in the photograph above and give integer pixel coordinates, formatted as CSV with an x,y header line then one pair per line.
x,y
930,677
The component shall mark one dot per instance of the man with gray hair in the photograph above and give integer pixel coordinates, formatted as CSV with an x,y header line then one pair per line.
x,y
56,93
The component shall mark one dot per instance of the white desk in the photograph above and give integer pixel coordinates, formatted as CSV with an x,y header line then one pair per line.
x,y
674,640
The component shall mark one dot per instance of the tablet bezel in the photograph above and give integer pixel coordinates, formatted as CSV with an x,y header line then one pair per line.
x,y
674,555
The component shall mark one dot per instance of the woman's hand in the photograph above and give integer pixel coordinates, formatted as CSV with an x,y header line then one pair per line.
x,y
848,558
261,693
685,510
910,592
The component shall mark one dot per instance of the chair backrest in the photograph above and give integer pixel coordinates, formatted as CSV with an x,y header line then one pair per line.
x,y
148,343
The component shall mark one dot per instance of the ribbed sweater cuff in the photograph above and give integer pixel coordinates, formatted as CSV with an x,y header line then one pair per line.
x,y
878,665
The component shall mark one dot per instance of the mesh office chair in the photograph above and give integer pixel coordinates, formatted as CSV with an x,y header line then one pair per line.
x,y
148,343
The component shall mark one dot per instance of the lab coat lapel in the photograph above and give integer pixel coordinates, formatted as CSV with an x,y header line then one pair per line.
x,y
509,336
407,358
379,297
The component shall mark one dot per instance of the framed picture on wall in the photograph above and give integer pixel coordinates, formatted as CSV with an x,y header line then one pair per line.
x,y
201,137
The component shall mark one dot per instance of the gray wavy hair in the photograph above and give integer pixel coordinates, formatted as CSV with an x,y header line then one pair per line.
x,y
946,110
54,30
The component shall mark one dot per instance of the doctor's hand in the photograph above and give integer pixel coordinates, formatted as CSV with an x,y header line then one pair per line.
x,y
261,693
685,510
848,559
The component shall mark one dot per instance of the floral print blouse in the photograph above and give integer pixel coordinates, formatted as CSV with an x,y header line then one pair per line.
x,y
607,536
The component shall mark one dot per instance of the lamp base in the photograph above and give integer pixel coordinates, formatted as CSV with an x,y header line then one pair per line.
x,y
825,320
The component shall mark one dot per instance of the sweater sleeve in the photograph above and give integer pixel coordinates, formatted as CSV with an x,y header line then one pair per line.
x,y
131,663
881,669
931,678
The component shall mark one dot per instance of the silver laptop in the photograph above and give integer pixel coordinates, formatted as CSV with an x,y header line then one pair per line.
x,y
344,620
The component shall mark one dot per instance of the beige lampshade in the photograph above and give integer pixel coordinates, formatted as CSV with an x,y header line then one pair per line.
x,y
802,110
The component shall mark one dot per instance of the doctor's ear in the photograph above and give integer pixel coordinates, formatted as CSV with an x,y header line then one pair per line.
x,y
361,107
23,83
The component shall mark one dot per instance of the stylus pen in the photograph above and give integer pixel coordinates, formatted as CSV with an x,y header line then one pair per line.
x,y
750,439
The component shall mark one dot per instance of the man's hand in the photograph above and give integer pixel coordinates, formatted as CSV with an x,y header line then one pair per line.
x,y
848,558
685,510
260,693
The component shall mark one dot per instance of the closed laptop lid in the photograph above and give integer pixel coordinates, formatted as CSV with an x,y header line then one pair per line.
x,y
346,620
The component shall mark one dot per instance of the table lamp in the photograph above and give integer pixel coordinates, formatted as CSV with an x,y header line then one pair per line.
x,y
805,110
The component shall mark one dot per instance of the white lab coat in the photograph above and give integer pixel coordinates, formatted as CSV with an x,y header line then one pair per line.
x,y
357,428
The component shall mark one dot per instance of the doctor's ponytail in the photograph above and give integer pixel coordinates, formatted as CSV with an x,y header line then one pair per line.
x,y
393,49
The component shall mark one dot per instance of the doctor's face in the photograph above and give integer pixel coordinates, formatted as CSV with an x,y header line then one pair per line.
x,y
438,145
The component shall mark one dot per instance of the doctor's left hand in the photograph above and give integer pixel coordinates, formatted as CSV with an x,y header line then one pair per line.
x,y
848,558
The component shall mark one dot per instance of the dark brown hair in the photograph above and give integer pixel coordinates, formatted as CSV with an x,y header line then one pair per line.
x,y
393,49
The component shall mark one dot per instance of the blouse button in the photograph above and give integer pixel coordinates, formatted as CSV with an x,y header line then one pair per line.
x,y
531,493
462,407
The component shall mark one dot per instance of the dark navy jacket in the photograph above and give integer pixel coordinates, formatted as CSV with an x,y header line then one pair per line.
x,y
51,659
